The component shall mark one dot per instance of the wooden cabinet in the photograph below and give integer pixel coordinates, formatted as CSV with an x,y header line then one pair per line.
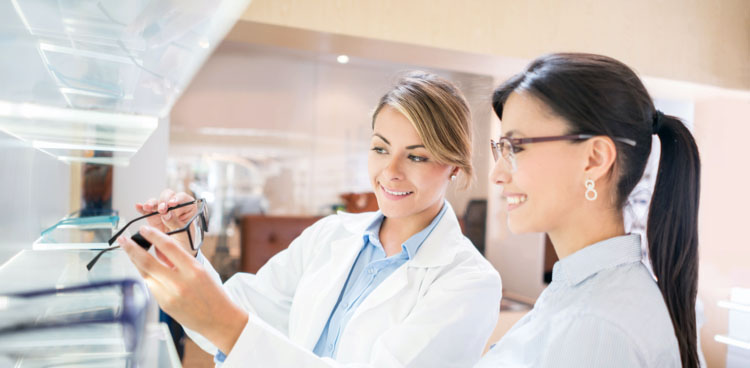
x,y
264,236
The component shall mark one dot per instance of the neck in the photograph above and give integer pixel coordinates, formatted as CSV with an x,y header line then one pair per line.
x,y
396,231
580,234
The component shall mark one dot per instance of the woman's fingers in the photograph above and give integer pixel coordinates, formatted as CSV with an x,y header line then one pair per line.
x,y
168,247
167,219
147,265
163,258
177,218
164,198
149,206
186,291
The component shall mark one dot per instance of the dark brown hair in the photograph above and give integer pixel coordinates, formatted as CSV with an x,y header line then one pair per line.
x,y
602,96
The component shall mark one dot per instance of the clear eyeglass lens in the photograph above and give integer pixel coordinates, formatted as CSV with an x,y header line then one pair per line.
x,y
506,150
197,233
205,210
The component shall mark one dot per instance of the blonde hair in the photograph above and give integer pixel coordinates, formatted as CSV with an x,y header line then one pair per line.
x,y
439,113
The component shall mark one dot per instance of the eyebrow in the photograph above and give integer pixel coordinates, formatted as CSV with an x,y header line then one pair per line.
x,y
389,143
511,133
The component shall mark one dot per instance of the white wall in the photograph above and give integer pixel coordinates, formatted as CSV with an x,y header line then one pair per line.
x,y
144,177
722,128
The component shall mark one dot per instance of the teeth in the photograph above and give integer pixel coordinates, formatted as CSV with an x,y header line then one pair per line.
x,y
395,193
516,199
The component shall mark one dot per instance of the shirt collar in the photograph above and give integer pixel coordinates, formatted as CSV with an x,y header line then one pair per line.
x,y
597,257
411,245
372,231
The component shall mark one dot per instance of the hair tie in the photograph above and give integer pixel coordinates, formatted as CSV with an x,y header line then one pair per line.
x,y
657,123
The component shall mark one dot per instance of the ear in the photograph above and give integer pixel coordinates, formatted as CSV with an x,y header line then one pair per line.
x,y
602,154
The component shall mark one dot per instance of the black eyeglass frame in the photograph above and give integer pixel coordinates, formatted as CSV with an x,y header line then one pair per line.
x,y
202,214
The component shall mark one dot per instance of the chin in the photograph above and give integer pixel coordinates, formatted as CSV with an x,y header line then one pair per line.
x,y
519,227
395,211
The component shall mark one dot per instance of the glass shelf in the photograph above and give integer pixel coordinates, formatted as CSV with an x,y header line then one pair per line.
x,y
80,345
88,81
91,232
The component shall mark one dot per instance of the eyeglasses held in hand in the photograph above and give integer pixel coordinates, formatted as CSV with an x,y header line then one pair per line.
x,y
195,229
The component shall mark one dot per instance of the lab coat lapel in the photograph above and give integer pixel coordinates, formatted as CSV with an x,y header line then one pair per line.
x,y
327,282
393,284
437,250
329,279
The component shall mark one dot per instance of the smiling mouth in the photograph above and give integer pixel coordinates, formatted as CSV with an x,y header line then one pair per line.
x,y
518,199
395,193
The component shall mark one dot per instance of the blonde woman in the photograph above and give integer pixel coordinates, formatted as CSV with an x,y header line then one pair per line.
x,y
400,287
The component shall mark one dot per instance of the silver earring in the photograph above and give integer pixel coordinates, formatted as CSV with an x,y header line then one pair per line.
x,y
591,193
453,177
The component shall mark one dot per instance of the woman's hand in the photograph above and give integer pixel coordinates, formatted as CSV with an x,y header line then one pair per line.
x,y
185,290
171,220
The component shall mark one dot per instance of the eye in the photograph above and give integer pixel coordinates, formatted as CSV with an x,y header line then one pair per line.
x,y
517,149
417,158
379,150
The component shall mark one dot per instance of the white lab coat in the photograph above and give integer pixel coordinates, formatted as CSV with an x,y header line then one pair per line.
x,y
436,310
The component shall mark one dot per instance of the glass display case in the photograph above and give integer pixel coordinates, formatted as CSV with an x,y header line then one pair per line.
x,y
54,312
88,80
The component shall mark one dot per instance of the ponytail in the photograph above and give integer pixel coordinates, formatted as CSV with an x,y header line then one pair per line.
x,y
599,95
673,230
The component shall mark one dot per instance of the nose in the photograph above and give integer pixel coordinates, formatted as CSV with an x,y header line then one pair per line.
x,y
500,173
393,169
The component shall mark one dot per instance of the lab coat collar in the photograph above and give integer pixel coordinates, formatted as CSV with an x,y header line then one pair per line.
x,y
437,250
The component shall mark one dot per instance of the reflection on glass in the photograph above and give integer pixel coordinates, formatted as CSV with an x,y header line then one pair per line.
x,y
119,60
89,323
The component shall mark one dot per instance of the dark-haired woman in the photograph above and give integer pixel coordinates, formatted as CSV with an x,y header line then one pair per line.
x,y
576,136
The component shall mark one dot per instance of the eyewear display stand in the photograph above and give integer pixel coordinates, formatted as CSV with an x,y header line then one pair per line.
x,y
54,312
74,232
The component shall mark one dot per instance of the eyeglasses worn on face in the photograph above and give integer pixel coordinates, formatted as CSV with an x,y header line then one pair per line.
x,y
195,229
506,147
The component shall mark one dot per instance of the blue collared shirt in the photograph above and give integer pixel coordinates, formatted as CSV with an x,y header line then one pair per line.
x,y
369,270
602,309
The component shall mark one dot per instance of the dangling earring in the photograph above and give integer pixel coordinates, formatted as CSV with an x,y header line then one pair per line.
x,y
591,193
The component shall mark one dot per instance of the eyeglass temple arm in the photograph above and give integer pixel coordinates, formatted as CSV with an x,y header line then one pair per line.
x,y
119,232
91,263
564,137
